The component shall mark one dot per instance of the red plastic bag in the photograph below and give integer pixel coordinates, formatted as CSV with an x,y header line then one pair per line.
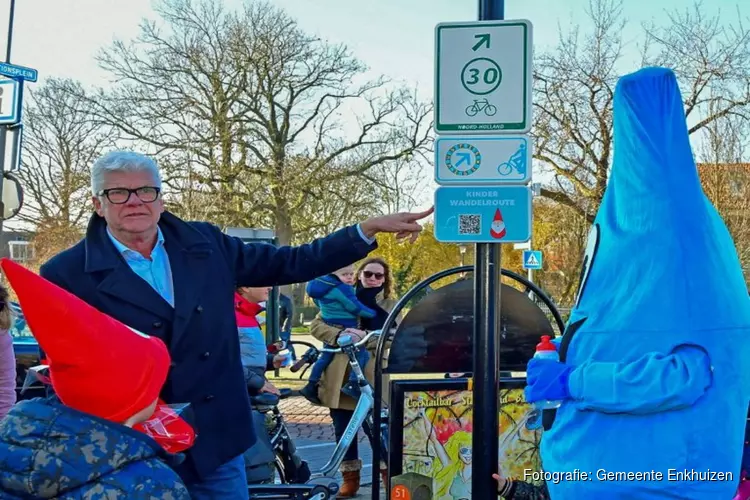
x,y
167,428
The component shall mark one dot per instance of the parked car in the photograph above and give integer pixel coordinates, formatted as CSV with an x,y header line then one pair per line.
x,y
27,354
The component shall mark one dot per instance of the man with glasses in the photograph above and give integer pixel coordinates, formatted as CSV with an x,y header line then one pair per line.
x,y
175,280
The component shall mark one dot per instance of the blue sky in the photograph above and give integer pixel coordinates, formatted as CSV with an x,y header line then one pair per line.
x,y
393,37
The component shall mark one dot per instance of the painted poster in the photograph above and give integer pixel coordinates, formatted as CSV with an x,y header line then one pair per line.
x,y
436,439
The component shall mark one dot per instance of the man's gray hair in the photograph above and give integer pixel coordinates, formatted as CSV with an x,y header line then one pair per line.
x,y
122,161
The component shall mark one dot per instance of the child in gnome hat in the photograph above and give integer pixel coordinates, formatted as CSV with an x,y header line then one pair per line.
x,y
107,378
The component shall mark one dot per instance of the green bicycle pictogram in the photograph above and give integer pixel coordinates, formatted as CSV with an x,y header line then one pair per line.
x,y
481,105
481,76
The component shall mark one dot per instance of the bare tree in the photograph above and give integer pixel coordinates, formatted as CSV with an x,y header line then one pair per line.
x,y
574,89
711,60
399,184
60,144
231,101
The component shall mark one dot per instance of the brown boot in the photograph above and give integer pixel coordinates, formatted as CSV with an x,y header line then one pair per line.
x,y
350,469
384,478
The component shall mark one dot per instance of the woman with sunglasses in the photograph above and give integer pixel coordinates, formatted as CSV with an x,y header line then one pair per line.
x,y
373,288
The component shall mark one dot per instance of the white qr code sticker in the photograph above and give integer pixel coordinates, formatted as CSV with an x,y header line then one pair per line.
x,y
469,224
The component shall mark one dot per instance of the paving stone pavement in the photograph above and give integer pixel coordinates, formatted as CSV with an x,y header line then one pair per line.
x,y
307,421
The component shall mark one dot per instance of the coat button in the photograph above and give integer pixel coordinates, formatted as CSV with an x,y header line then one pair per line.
x,y
199,309
172,364
205,355
157,324
209,397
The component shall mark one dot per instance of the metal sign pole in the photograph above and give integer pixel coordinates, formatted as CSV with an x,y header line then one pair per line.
x,y
4,129
487,273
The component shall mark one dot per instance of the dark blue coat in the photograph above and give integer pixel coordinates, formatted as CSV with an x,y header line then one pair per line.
x,y
48,450
201,330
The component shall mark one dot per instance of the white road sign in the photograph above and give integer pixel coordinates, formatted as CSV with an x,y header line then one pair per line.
x,y
483,160
483,76
8,101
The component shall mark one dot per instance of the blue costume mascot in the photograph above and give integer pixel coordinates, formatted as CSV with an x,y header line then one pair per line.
x,y
655,369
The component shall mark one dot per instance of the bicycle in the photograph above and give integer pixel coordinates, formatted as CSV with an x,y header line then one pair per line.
x,y
516,162
481,105
321,484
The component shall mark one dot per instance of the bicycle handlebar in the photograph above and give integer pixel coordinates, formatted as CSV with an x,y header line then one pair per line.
x,y
298,365
342,338
303,360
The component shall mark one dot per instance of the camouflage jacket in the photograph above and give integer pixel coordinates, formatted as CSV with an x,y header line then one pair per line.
x,y
48,450
526,491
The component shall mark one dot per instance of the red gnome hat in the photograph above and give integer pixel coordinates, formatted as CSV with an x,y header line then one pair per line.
x,y
97,365
497,230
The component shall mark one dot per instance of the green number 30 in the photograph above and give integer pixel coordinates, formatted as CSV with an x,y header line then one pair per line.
x,y
474,78
489,77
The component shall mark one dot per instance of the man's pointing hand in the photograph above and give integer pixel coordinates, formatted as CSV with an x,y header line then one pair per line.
x,y
403,224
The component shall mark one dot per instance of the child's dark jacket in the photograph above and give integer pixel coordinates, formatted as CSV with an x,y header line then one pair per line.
x,y
48,450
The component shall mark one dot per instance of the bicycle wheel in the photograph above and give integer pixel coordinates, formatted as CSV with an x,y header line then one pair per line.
x,y
472,110
490,110
279,470
505,169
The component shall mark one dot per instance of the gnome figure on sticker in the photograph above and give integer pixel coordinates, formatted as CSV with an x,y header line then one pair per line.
x,y
497,230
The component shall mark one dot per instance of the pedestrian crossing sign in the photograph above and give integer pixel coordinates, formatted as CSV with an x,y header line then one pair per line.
x,y
532,259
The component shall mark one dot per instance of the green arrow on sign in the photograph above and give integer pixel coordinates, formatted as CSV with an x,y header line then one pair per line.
x,y
483,38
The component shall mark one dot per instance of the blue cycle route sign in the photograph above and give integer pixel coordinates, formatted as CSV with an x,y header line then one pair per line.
x,y
19,72
483,160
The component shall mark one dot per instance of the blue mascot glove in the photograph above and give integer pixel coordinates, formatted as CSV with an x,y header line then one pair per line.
x,y
547,379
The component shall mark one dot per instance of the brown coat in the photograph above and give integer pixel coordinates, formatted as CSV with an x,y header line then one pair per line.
x,y
337,373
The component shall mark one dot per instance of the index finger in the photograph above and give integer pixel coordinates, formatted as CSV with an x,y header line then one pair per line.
x,y
421,215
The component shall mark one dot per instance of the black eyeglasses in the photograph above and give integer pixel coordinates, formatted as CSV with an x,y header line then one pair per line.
x,y
120,196
370,274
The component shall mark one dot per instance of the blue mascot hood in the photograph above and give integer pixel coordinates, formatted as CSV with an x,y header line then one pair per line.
x,y
659,336
658,248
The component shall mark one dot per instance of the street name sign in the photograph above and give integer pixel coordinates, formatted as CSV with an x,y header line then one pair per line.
x,y
498,214
19,72
483,73
483,160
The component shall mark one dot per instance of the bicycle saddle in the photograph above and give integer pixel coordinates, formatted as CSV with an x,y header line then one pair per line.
x,y
264,399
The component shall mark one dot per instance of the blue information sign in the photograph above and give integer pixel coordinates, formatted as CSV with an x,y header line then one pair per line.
x,y
499,214
9,107
532,259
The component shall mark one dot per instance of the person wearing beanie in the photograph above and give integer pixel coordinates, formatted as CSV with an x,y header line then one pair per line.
x,y
107,378
175,280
